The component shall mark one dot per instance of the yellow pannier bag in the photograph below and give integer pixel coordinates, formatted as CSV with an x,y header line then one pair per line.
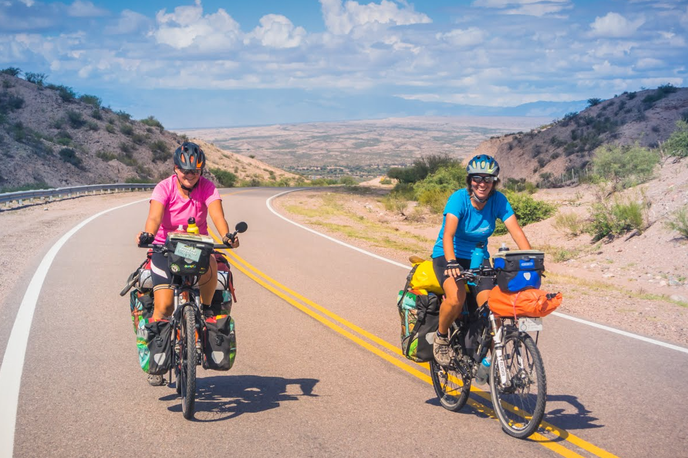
x,y
424,278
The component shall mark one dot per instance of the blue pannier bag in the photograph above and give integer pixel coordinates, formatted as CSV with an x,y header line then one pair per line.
x,y
520,269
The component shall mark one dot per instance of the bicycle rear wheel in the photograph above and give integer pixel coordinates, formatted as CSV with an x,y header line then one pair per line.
x,y
520,405
452,388
186,383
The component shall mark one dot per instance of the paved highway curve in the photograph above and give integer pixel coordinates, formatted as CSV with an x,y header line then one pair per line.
x,y
318,370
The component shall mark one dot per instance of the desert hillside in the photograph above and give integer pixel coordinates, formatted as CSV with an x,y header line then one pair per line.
x,y
552,154
52,137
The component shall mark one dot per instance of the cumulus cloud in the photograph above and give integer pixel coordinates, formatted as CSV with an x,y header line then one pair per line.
x,y
463,38
614,25
85,9
128,22
277,31
648,63
187,26
526,7
340,18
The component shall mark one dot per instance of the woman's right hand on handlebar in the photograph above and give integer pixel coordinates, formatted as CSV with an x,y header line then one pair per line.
x,y
144,238
231,240
453,268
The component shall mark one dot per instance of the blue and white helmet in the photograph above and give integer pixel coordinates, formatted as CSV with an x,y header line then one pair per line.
x,y
483,164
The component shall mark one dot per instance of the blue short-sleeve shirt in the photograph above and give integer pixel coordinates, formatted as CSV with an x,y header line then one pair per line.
x,y
474,225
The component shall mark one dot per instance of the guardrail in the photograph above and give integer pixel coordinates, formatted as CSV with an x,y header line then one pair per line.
x,y
70,192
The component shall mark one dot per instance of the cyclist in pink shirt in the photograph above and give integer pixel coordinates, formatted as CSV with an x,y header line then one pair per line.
x,y
175,199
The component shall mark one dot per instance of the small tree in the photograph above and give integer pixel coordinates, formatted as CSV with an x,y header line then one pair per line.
x,y
12,71
677,143
594,101
36,78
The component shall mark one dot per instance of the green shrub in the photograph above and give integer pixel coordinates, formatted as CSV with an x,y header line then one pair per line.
x,y
421,168
91,100
527,209
12,71
661,92
520,185
348,181
76,120
677,143
569,223
594,101
106,155
139,139
226,178
66,93
611,219
126,129
625,166
69,156
96,114
394,203
110,128
434,198
92,126
36,78
151,121
123,116
161,151
679,221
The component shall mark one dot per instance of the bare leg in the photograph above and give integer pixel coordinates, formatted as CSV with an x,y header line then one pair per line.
x,y
208,282
450,309
164,303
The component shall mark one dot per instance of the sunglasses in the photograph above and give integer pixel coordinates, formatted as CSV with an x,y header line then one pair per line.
x,y
189,172
481,179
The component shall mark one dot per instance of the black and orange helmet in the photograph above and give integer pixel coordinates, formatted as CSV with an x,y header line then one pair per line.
x,y
189,156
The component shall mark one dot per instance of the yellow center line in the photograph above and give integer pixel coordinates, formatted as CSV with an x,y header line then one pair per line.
x,y
279,290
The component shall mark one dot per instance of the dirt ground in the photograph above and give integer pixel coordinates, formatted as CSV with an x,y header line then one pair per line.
x,y
635,283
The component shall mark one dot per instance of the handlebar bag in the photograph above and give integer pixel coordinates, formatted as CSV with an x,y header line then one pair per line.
x,y
519,270
533,303
188,255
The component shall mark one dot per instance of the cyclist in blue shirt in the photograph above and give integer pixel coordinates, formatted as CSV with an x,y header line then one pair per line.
x,y
469,218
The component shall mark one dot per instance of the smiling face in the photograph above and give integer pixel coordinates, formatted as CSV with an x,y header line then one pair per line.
x,y
480,186
188,178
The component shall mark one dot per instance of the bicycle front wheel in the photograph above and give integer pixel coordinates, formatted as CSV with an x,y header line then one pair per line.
x,y
520,403
187,362
451,387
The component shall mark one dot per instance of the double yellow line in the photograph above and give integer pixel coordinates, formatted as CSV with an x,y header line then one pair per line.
x,y
364,339
421,371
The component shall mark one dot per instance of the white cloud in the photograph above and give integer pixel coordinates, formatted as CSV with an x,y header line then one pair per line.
x,y
85,9
128,23
672,39
277,31
341,19
613,49
614,25
526,7
648,63
464,38
187,26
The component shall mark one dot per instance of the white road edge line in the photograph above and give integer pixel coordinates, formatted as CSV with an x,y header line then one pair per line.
x,y
13,361
560,315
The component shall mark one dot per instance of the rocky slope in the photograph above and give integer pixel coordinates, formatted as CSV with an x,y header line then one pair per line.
x,y
52,137
555,154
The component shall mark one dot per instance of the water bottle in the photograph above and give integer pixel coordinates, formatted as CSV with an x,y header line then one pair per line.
x,y
192,228
483,371
477,256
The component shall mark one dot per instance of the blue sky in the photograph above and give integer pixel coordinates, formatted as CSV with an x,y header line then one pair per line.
x,y
238,62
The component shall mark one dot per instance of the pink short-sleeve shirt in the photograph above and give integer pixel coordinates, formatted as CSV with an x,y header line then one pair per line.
x,y
178,209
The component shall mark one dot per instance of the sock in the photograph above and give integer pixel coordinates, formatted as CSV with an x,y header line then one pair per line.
x,y
444,336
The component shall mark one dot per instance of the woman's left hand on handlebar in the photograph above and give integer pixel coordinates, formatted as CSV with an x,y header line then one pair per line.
x,y
144,238
232,242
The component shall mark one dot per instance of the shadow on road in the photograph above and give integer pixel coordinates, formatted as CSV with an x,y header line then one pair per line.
x,y
225,397
564,418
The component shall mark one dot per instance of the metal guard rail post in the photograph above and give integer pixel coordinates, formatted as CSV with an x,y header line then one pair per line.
x,y
20,196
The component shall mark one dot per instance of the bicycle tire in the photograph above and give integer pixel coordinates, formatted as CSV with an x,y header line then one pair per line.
x,y
188,361
519,409
451,394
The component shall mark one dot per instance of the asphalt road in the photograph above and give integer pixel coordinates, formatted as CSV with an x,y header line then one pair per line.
x,y
318,371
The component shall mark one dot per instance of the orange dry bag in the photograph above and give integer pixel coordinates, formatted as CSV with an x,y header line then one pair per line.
x,y
530,302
